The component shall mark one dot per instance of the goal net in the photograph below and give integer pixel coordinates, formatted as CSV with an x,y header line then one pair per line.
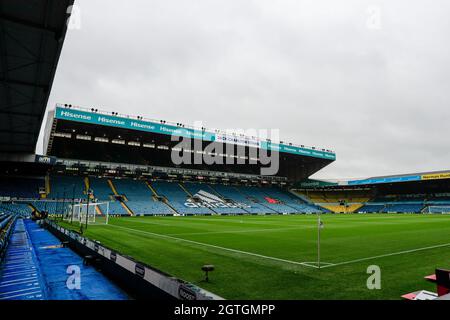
x,y
437,209
92,213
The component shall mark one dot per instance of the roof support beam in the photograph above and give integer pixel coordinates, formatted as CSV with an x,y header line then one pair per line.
x,y
24,114
29,24
2,131
23,83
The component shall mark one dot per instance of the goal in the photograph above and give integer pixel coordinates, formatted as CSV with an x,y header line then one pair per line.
x,y
92,213
437,209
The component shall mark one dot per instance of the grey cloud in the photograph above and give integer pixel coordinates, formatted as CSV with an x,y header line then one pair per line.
x,y
379,98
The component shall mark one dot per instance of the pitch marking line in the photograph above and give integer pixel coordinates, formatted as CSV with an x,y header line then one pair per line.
x,y
388,255
315,264
218,247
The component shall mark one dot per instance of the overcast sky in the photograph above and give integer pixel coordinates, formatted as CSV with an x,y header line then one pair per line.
x,y
368,79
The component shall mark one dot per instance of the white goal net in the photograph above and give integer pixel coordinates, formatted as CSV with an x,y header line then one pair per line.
x,y
437,209
92,213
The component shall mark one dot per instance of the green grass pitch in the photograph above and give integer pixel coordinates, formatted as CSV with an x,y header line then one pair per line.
x,y
273,257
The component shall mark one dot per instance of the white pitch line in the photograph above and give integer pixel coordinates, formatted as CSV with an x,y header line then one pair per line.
x,y
218,247
321,263
388,255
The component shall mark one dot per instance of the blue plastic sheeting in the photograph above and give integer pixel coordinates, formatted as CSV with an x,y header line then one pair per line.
x,y
19,275
52,269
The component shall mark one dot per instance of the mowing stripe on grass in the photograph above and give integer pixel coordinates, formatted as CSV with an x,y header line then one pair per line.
x,y
238,221
217,247
388,255
239,231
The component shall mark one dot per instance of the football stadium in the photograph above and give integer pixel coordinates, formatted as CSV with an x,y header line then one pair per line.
x,y
107,203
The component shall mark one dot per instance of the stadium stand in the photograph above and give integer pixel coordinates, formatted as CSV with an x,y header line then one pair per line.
x,y
18,208
367,201
51,207
102,192
67,187
230,207
233,195
140,198
404,207
401,203
21,188
177,197
372,208
276,199
6,222
391,207
257,195
292,200
339,201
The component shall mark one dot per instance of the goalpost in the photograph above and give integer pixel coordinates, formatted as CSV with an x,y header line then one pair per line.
x,y
438,209
92,213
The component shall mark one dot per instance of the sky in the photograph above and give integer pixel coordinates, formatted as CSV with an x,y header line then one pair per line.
x,y
367,79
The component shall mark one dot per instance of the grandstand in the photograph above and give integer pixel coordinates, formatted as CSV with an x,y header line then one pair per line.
x,y
168,220
66,187
144,197
17,187
148,186
140,198
102,191
413,193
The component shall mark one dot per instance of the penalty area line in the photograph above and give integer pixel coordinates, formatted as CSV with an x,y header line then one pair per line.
x,y
218,247
388,255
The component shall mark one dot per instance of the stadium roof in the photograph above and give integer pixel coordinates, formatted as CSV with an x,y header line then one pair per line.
x,y
433,175
114,119
78,134
32,33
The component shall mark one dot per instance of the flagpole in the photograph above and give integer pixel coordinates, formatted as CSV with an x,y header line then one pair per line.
x,y
318,239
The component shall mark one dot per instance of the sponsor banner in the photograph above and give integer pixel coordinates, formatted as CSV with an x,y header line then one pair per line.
x,y
139,270
186,293
113,256
238,140
128,123
385,180
147,126
309,183
297,150
430,176
45,159
435,176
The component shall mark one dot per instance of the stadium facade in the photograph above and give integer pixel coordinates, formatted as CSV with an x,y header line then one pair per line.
x,y
98,136
424,192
